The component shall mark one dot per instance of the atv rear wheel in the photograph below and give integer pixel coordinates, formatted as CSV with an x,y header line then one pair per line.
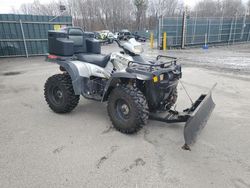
x,y
59,93
127,109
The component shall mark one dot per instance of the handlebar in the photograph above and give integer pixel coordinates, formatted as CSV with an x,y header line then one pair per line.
x,y
118,42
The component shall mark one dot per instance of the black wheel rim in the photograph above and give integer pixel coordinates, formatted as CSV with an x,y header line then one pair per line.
x,y
122,109
56,95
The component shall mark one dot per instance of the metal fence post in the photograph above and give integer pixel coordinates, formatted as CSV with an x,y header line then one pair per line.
x,y
230,34
194,29
235,25
183,30
248,36
176,33
243,26
248,31
24,40
220,29
208,32
159,32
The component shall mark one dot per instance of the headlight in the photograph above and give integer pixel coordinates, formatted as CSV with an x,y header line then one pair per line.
x,y
138,49
161,77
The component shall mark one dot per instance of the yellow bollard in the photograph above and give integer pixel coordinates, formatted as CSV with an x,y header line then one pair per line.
x,y
165,41
151,40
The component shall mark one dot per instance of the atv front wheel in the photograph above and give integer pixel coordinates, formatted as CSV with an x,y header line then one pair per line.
x,y
59,93
127,109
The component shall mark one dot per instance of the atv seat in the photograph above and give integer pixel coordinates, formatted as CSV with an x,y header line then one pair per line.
x,y
96,59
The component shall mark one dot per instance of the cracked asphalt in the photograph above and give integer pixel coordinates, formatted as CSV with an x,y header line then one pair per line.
x,y
42,149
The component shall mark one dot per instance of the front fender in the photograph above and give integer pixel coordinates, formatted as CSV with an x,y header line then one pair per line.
x,y
123,75
116,77
131,75
111,84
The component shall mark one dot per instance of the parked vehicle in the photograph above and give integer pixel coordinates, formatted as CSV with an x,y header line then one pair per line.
x,y
106,36
97,35
89,34
135,89
116,35
110,37
125,35
139,38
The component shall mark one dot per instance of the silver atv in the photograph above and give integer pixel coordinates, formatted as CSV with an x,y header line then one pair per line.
x,y
135,90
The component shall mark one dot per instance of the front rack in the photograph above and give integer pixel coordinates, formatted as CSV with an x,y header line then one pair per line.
x,y
152,65
165,56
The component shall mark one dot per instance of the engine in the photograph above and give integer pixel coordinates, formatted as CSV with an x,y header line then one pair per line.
x,y
163,94
94,87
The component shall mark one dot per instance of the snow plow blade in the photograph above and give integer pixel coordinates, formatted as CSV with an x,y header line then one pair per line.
x,y
199,114
195,117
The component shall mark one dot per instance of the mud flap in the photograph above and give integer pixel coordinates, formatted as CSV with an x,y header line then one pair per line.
x,y
199,114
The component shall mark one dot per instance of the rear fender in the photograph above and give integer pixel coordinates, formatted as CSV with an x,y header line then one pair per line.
x,y
72,70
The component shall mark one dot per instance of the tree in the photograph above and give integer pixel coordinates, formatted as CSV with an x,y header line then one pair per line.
x,y
226,8
141,7
232,7
37,8
113,15
165,7
207,8
248,6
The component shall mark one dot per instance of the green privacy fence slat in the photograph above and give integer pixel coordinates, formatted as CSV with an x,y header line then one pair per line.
x,y
35,30
212,30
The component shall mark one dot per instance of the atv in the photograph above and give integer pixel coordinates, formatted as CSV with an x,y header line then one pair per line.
x,y
135,89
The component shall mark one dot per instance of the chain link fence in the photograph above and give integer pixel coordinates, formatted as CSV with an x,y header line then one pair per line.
x,y
197,31
26,35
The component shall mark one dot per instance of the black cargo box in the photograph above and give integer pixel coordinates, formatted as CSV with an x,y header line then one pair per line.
x,y
72,41
93,46
59,44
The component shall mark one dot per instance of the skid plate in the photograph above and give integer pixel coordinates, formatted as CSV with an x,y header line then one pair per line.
x,y
199,114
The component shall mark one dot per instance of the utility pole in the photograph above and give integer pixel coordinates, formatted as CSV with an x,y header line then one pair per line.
x,y
62,10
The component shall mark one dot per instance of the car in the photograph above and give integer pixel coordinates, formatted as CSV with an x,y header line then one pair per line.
x,y
125,35
139,38
116,35
89,34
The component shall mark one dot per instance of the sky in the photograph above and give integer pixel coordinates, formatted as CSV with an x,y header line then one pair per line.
x,y
7,5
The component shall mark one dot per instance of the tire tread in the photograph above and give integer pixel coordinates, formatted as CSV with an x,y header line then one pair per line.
x,y
71,100
141,105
